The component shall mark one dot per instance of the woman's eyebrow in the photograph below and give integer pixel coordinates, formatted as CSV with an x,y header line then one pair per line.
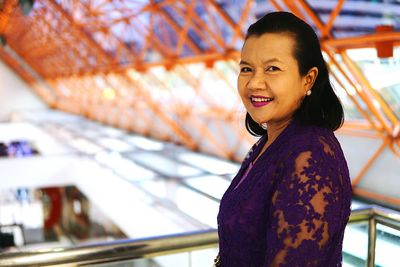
x,y
272,60
243,62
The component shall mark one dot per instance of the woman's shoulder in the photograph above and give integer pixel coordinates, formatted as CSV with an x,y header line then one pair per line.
x,y
310,138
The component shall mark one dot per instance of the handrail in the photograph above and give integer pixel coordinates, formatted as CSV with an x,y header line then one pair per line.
x,y
373,215
149,247
113,251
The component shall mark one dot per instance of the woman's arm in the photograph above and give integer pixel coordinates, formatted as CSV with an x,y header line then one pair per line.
x,y
305,210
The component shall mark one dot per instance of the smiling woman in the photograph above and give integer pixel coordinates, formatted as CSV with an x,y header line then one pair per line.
x,y
290,201
270,83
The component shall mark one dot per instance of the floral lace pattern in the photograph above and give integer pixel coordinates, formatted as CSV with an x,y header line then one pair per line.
x,y
292,208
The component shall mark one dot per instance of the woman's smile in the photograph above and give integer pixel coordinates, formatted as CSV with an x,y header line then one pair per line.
x,y
260,101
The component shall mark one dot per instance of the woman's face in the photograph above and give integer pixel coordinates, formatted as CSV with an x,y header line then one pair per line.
x,y
269,82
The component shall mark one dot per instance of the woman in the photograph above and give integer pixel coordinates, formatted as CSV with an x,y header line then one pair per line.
x,y
290,201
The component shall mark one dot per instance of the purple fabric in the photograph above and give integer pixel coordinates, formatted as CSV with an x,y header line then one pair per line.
x,y
249,167
293,206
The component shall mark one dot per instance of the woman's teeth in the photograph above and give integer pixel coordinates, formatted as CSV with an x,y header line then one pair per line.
x,y
259,99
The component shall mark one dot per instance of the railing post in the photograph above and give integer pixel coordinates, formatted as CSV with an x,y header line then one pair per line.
x,y
371,242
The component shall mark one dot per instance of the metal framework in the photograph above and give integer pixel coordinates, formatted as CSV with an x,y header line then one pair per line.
x,y
172,63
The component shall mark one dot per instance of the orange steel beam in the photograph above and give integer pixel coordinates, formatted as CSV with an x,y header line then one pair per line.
x,y
361,94
362,126
203,129
16,67
227,81
292,5
152,40
350,131
238,28
155,107
37,87
41,22
276,5
121,45
363,81
332,17
182,31
165,62
81,33
318,23
392,146
376,196
51,71
213,24
166,36
150,7
89,108
353,99
133,106
225,16
8,8
370,162
207,134
363,41
187,76
202,27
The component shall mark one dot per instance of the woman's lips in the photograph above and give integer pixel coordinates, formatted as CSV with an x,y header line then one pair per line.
x,y
259,104
260,101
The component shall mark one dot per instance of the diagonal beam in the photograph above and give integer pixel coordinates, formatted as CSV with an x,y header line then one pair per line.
x,y
81,33
364,82
178,29
369,163
155,107
239,25
328,26
226,18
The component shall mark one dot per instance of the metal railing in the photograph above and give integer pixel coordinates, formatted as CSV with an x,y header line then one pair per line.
x,y
373,215
122,250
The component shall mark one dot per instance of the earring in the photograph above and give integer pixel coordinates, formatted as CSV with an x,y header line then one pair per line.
x,y
308,92
263,125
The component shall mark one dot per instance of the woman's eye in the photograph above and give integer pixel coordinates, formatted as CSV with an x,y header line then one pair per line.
x,y
272,68
245,69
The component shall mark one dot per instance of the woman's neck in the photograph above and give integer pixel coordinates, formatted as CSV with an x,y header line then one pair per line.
x,y
275,128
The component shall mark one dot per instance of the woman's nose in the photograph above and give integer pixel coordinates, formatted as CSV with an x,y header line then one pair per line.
x,y
256,82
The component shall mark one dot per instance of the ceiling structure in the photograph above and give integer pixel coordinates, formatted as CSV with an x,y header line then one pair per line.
x,y
167,68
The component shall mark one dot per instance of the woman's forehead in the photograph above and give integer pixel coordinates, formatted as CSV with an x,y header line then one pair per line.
x,y
268,47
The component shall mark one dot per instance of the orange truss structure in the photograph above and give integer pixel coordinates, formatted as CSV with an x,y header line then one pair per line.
x,y
168,68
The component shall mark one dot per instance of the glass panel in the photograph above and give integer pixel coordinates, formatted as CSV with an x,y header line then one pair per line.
x,y
387,246
113,144
124,167
210,164
145,143
165,165
218,188
85,146
173,194
382,74
355,245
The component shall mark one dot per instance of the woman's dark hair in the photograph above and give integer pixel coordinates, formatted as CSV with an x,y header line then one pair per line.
x,y
322,107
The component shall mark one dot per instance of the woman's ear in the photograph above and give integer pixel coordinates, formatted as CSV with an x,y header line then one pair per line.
x,y
310,78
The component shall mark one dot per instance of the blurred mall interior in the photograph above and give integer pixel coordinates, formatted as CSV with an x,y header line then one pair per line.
x,y
121,126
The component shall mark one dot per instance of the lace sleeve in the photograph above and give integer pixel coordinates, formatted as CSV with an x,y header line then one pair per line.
x,y
304,208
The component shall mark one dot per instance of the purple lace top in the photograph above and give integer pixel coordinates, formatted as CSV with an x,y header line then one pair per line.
x,y
292,207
